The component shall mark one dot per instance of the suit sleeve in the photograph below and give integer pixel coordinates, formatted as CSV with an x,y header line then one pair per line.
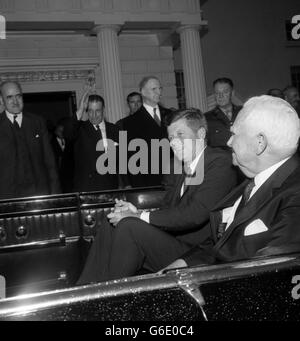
x,y
284,230
200,254
283,235
192,213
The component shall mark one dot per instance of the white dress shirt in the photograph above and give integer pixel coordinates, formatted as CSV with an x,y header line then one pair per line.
x,y
103,132
151,110
19,117
61,142
192,166
229,213
146,215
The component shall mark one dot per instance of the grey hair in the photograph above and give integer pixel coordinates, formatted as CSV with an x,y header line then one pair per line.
x,y
276,119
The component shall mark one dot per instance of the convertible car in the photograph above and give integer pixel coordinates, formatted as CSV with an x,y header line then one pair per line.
x,y
44,242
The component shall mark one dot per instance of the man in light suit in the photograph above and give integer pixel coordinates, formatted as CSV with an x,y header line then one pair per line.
x,y
152,240
261,216
28,166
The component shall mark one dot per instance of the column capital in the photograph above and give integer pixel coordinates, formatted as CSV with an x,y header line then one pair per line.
x,y
189,27
113,27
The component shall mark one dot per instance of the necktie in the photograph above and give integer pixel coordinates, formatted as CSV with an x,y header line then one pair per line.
x,y
62,141
15,123
99,130
188,174
246,195
229,114
156,117
247,191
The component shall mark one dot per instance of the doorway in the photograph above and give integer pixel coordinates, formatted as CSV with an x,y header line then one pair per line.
x,y
52,106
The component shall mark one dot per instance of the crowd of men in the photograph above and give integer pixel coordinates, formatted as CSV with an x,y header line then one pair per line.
x,y
237,197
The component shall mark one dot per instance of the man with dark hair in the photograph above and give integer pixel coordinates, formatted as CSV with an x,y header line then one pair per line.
x,y
86,136
147,124
63,153
134,102
261,216
275,93
221,118
291,95
151,240
27,162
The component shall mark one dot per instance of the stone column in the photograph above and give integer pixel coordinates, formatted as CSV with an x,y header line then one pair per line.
x,y
194,78
110,65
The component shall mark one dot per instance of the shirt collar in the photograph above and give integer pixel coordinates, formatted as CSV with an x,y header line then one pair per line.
x,y
151,109
264,175
194,163
101,125
11,117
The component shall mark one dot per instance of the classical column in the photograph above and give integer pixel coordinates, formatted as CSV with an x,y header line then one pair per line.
x,y
194,78
111,70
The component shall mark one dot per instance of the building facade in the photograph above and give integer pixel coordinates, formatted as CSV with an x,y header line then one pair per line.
x,y
60,45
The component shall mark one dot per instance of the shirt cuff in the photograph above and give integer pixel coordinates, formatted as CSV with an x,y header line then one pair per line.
x,y
145,216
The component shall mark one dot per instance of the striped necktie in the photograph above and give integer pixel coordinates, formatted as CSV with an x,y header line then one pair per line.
x,y
156,117
246,195
15,123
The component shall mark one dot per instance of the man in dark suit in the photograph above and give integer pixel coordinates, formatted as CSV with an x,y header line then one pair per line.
x,y
220,119
151,240
27,163
261,216
147,124
291,95
63,153
94,140
134,102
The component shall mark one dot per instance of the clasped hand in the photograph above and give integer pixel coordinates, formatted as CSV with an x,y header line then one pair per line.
x,y
122,209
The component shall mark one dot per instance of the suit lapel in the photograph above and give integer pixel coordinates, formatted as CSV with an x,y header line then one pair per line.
x,y
111,134
222,117
5,123
28,129
232,197
261,197
91,132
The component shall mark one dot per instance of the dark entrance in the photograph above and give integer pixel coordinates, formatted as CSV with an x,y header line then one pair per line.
x,y
53,106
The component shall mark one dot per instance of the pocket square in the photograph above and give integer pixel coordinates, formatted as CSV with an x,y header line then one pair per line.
x,y
256,227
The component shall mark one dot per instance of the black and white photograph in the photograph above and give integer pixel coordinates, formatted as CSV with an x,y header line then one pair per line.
x,y
150,163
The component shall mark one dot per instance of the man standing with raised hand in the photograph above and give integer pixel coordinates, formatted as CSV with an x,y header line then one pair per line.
x,y
86,136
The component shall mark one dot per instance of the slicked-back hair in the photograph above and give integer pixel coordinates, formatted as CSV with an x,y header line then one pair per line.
x,y
275,92
133,94
96,98
288,88
194,118
223,80
145,80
